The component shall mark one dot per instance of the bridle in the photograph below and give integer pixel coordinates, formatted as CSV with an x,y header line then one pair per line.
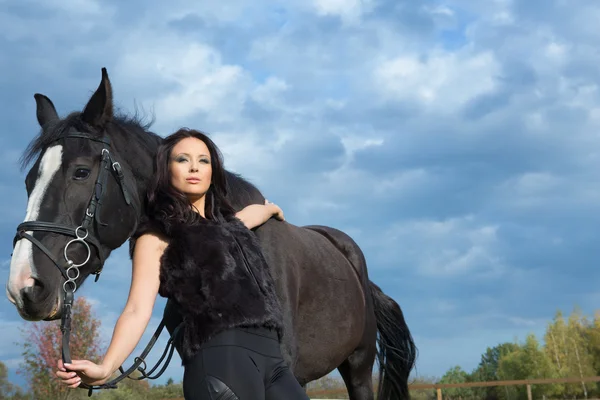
x,y
70,270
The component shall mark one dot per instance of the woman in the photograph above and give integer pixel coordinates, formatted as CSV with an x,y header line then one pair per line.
x,y
196,251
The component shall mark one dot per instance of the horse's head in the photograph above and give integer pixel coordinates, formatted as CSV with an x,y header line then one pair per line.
x,y
83,202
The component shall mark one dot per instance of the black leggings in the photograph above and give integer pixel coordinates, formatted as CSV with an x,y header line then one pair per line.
x,y
240,364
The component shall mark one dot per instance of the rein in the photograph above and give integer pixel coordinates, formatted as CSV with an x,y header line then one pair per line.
x,y
70,270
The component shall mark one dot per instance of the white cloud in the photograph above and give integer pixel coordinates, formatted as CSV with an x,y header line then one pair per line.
x,y
79,8
451,247
348,10
441,82
440,10
353,143
199,81
79,16
268,93
550,192
531,187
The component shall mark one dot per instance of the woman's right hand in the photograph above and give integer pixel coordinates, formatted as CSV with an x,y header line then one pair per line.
x,y
82,371
277,212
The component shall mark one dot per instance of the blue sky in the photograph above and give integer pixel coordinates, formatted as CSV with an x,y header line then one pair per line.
x,y
456,141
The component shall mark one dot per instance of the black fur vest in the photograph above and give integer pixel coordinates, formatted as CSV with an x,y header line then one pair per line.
x,y
217,277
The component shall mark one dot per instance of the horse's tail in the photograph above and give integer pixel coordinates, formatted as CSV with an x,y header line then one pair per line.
x,y
397,350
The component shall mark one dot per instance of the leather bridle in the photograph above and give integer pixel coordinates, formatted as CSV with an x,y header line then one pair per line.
x,y
70,270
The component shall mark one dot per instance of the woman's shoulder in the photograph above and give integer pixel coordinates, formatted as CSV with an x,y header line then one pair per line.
x,y
149,233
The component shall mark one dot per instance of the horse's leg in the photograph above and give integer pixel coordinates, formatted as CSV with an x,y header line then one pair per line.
x,y
357,369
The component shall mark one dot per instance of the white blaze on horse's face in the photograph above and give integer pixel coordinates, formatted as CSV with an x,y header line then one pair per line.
x,y
22,270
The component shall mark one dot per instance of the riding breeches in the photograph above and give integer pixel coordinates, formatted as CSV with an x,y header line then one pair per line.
x,y
241,364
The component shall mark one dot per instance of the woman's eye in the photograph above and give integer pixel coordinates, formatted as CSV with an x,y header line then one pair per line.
x,y
81,173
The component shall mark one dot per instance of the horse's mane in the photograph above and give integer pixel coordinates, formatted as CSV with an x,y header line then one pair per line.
x,y
134,124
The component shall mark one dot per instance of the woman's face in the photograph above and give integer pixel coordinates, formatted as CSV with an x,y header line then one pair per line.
x,y
190,167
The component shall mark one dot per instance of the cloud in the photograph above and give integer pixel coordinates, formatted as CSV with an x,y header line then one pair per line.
x,y
348,11
443,81
452,247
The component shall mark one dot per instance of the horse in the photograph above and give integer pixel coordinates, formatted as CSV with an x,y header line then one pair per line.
x,y
85,198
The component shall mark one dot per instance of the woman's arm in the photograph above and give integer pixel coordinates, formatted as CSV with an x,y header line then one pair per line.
x,y
133,320
142,295
257,214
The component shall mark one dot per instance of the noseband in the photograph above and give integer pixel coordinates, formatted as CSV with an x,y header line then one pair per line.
x,y
70,270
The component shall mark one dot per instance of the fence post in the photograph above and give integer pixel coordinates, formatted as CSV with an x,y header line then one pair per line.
x,y
529,392
439,394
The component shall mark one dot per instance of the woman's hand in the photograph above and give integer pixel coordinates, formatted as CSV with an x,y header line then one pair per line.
x,y
82,371
257,214
275,210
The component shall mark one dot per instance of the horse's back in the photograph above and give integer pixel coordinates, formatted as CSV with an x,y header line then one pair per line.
x,y
346,245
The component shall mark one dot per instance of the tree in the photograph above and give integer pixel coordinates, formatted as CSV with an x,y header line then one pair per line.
x,y
170,390
567,345
456,375
7,389
42,350
580,362
129,389
591,333
5,385
530,361
487,370
424,394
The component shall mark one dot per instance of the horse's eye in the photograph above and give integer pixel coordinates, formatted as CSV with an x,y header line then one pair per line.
x,y
81,173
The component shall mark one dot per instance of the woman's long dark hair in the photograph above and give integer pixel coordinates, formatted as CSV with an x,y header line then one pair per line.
x,y
168,205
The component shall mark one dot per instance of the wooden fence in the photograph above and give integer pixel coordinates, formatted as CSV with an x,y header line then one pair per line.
x,y
313,394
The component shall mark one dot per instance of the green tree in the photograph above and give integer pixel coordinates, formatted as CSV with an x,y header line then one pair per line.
x,y
456,375
7,389
567,345
557,349
128,389
170,390
591,332
423,394
42,349
487,370
580,363
530,361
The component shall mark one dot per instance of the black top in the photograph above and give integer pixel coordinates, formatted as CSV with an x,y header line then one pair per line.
x,y
217,276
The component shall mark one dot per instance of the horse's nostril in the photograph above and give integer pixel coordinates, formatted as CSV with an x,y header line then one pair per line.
x,y
33,290
38,301
29,282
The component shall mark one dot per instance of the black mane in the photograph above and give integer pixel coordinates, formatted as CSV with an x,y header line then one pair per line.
x,y
133,124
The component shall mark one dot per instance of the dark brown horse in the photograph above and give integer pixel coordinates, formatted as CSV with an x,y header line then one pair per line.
x,y
335,316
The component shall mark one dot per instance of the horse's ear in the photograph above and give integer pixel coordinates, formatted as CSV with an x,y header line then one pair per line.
x,y
45,109
99,109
